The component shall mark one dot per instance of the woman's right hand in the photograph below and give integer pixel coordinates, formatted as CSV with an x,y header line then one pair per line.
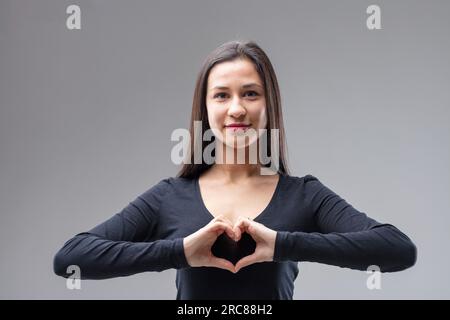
x,y
197,246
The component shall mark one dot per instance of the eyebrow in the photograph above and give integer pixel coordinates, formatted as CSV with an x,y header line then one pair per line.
x,y
244,86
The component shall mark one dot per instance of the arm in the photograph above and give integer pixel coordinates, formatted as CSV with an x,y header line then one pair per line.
x,y
346,238
117,246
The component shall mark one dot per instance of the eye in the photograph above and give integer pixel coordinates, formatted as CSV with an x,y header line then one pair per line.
x,y
219,95
253,92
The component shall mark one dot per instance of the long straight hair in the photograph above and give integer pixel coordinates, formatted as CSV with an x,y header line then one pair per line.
x,y
227,52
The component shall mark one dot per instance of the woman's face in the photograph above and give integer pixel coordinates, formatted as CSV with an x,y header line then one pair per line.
x,y
235,95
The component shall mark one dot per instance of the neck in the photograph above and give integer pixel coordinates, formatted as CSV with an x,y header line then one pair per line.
x,y
228,168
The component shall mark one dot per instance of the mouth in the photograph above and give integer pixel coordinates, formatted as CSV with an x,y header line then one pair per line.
x,y
237,126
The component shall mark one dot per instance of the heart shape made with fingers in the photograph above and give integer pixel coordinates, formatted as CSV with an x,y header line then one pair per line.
x,y
226,248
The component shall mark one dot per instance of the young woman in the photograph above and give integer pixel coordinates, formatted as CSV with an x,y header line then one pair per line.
x,y
236,229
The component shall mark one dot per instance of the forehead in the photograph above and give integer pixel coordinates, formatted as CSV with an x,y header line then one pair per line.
x,y
226,73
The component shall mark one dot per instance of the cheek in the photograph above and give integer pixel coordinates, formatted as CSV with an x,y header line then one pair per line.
x,y
262,117
215,116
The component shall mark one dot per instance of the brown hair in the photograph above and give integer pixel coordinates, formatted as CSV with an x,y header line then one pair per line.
x,y
227,52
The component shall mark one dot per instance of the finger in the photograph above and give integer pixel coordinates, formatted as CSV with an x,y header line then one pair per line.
x,y
222,264
222,218
219,227
249,226
246,261
241,226
215,219
218,218
227,221
237,228
237,233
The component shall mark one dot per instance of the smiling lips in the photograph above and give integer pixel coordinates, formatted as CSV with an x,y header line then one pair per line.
x,y
237,126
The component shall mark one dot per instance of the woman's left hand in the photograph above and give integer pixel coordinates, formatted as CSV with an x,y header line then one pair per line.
x,y
263,236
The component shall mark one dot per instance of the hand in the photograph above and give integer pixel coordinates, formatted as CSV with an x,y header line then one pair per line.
x,y
197,246
264,238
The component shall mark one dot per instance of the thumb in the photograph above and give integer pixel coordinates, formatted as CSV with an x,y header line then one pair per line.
x,y
246,261
222,264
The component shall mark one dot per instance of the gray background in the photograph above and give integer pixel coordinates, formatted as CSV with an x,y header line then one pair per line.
x,y
86,117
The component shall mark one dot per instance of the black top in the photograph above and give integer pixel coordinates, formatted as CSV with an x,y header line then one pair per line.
x,y
312,222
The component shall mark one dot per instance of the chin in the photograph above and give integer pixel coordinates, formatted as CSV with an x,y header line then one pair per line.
x,y
240,143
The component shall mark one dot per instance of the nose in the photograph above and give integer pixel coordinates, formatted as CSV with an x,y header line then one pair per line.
x,y
236,109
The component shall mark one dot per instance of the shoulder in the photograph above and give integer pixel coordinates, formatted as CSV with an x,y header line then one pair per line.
x,y
306,180
163,191
309,189
307,185
166,186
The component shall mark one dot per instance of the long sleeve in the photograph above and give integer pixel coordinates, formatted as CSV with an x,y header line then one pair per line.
x,y
346,237
118,247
